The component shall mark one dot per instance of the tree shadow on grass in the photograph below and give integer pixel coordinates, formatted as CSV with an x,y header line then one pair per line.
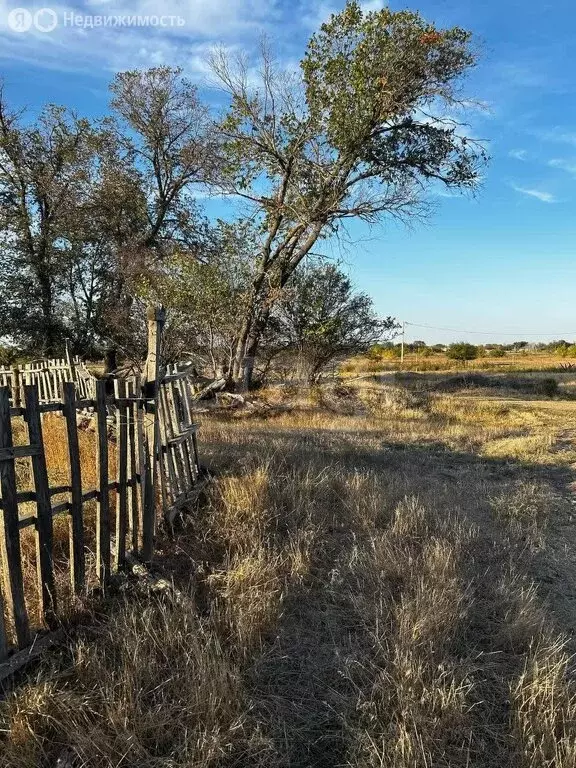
x,y
302,693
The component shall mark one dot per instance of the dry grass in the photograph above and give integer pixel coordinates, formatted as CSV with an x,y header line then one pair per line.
x,y
385,581
512,361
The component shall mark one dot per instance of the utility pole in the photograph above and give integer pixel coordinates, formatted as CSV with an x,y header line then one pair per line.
x,y
402,346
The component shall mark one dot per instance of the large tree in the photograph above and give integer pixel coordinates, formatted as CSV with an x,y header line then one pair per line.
x,y
158,149
360,134
89,207
46,171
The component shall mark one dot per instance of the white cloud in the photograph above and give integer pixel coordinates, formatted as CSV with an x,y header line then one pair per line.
x,y
539,194
518,154
565,165
557,135
372,5
111,48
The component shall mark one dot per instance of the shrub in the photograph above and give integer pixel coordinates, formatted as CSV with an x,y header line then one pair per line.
x,y
462,351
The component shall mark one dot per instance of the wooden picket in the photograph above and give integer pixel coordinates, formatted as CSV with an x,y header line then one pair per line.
x,y
48,376
122,414
178,450
44,524
11,556
151,423
77,555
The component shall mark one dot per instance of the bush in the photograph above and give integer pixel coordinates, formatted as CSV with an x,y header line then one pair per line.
x,y
462,351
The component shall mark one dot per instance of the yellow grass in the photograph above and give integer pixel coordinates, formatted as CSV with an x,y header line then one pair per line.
x,y
512,361
384,578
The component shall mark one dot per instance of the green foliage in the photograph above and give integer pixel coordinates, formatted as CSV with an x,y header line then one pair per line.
x,y
386,351
462,351
321,317
497,352
45,180
203,299
8,355
362,139
392,63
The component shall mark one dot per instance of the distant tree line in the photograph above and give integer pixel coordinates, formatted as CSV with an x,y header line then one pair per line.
x,y
466,351
98,217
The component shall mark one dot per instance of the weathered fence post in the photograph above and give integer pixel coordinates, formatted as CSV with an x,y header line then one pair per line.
x,y
16,387
150,382
70,362
10,534
77,559
103,498
122,415
43,507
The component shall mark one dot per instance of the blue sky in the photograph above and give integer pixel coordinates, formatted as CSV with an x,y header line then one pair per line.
x,y
503,261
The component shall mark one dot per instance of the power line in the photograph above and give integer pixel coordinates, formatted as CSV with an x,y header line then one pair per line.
x,y
517,334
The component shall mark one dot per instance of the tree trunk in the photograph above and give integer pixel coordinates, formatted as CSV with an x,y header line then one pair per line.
x,y
245,341
49,331
249,350
241,345
254,322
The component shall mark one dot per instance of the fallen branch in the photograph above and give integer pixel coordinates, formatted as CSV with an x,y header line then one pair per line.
x,y
21,658
215,386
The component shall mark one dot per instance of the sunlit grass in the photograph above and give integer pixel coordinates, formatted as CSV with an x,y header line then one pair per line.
x,y
372,573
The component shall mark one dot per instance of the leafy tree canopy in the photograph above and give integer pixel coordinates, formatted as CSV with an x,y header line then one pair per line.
x,y
462,351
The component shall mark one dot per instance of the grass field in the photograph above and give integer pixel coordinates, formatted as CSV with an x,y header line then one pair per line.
x,y
512,361
384,575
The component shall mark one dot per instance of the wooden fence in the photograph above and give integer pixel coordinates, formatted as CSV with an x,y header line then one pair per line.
x,y
48,376
154,438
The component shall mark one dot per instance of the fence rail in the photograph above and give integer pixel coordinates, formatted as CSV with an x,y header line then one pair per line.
x,y
150,422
